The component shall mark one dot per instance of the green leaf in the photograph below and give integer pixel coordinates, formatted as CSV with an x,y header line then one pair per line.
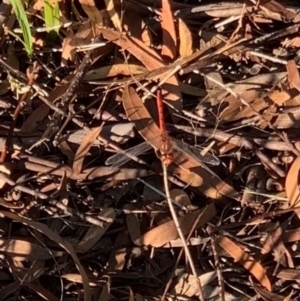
x,y
51,15
24,24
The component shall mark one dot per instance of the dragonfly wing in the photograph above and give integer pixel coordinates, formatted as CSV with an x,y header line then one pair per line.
x,y
194,152
120,159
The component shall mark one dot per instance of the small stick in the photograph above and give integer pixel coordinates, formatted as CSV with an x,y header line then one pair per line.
x,y
37,194
177,225
31,78
179,257
245,103
217,264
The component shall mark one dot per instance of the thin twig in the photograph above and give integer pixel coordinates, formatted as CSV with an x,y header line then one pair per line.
x,y
31,78
177,225
217,264
179,257
245,103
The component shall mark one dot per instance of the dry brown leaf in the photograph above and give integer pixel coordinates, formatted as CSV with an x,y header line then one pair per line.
x,y
136,27
71,41
20,249
168,29
104,296
98,18
166,232
294,42
139,297
37,269
114,70
235,110
181,197
293,75
274,244
146,55
146,37
186,284
186,167
177,243
94,233
133,223
273,237
291,119
5,87
118,258
41,291
279,97
131,294
39,4
291,235
28,279
185,39
111,6
60,88
110,173
269,296
292,187
5,170
247,261
292,184
289,274
55,237
68,50
34,118
72,277
11,205
250,90
119,133
191,90
67,151
284,13
84,148
248,31
151,61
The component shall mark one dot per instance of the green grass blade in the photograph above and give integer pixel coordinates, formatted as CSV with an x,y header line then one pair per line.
x,y
51,15
24,24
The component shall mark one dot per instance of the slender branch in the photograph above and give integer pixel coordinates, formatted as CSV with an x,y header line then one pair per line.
x,y
177,225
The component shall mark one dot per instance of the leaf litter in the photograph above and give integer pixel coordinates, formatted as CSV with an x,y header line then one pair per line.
x,y
75,229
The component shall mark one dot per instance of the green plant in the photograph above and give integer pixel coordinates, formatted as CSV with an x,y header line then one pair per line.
x,y
51,15
24,24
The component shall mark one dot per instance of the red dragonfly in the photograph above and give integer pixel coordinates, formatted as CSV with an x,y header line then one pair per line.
x,y
168,146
